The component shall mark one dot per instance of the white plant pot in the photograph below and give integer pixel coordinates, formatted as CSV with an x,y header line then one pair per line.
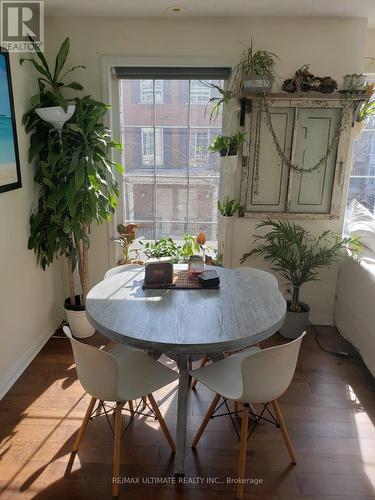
x,y
295,322
257,84
79,324
357,128
55,115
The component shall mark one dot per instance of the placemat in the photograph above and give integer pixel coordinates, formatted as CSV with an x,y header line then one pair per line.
x,y
181,281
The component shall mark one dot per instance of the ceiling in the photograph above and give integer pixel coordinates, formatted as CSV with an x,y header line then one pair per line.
x,y
211,8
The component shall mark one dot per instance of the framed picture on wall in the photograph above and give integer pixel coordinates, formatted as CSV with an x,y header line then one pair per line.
x,y
10,175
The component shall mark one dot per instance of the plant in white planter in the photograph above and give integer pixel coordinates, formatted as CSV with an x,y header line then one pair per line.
x,y
77,187
297,256
49,103
226,208
254,73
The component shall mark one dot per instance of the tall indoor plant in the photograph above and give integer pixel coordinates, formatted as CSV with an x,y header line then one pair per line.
x,y
297,256
77,187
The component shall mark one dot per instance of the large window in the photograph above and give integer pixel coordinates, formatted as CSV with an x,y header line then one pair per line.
x,y
362,178
171,181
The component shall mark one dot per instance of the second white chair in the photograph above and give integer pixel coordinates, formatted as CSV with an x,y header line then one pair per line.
x,y
251,376
120,375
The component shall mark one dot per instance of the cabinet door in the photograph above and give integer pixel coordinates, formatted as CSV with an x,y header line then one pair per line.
x,y
268,193
312,192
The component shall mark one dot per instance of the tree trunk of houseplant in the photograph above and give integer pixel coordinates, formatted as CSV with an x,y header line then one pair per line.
x,y
75,305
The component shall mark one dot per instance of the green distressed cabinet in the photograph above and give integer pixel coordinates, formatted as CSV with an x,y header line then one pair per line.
x,y
304,129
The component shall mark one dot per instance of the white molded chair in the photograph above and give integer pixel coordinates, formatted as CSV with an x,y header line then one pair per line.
x,y
121,269
120,375
251,376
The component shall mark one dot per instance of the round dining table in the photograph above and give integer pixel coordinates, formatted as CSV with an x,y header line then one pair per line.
x,y
183,323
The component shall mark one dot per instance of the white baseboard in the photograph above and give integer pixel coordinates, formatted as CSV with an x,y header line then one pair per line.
x,y
23,362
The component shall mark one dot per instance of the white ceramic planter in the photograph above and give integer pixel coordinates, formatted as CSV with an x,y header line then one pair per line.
x,y
357,128
55,115
257,84
226,239
295,322
79,324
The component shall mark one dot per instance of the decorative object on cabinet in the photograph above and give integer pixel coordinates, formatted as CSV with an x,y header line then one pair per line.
x,y
354,83
297,256
304,81
10,173
254,73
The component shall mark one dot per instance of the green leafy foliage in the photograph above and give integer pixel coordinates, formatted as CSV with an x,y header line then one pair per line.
x,y
296,254
223,97
367,110
224,143
189,246
77,180
165,247
259,62
228,207
51,83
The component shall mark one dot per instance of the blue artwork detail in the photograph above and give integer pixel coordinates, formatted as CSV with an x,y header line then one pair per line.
x,y
8,142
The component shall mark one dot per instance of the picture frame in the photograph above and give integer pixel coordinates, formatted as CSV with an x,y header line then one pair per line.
x,y
10,172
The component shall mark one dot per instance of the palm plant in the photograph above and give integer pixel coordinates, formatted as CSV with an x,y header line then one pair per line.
x,y
296,254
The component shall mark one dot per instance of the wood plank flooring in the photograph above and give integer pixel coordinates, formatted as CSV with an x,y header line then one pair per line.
x,y
329,411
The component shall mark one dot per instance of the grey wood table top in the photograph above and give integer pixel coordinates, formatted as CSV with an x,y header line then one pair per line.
x,y
248,308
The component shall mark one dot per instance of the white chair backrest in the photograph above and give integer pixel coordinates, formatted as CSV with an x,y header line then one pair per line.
x,y
97,370
121,269
267,373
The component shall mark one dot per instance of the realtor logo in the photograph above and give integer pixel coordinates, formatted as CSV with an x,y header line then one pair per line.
x,y
19,22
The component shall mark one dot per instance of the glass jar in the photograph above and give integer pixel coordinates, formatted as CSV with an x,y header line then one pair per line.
x,y
196,265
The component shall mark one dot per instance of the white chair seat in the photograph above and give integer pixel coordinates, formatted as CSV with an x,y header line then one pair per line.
x,y
139,373
224,376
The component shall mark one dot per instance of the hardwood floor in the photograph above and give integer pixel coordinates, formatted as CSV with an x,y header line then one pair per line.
x,y
329,411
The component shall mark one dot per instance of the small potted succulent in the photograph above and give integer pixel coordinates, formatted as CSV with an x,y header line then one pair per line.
x,y
227,145
297,256
254,73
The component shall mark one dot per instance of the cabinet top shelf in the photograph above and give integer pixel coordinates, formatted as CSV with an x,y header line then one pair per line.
x,y
318,96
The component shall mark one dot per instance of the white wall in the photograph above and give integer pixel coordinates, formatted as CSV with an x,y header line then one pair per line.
x,y
370,51
331,46
30,299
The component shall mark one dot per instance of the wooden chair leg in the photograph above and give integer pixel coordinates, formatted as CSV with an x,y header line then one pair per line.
x,y
284,431
236,406
206,420
243,448
131,408
83,427
162,423
116,450
202,365
144,403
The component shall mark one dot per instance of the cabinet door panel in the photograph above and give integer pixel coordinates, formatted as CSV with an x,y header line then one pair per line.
x,y
268,194
311,192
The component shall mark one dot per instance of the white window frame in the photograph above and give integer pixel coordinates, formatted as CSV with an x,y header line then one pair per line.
x,y
110,95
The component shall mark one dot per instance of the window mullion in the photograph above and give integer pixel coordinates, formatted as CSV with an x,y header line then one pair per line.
x,y
155,184
188,163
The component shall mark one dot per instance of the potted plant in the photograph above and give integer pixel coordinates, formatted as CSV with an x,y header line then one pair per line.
x,y
365,112
354,82
227,145
77,187
49,103
297,256
127,235
227,208
254,73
